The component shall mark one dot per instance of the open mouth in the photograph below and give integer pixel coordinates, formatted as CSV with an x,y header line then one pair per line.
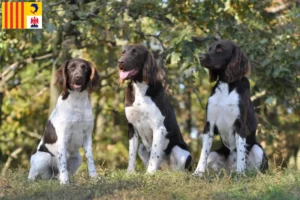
x,y
127,74
75,86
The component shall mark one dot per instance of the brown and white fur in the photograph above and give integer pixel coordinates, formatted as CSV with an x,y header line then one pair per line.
x,y
70,125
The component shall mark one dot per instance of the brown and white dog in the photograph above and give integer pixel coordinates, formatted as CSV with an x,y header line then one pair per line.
x,y
70,125
149,114
230,113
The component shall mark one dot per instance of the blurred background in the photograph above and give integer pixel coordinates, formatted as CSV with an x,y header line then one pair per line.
x,y
176,31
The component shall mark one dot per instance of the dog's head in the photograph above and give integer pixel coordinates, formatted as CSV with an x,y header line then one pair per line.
x,y
225,57
77,75
138,64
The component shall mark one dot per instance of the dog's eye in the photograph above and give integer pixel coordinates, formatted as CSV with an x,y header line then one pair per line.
x,y
72,68
134,52
219,49
209,49
123,52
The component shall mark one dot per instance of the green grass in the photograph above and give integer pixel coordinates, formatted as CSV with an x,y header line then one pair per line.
x,y
162,185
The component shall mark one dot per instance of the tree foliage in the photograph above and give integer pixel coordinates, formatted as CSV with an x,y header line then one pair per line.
x,y
176,32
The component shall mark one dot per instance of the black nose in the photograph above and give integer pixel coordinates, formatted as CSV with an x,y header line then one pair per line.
x,y
202,56
78,77
121,64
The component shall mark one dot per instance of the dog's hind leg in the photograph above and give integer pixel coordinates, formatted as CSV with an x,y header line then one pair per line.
x,y
257,159
144,155
180,159
40,163
216,161
74,162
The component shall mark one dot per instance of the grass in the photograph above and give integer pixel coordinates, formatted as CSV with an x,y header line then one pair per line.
x,y
116,184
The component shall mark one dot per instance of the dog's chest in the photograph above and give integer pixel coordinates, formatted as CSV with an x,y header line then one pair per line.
x,y
73,120
76,134
144,115
222,111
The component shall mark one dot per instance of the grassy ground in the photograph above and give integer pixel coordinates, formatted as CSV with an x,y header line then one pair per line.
x,y
163,185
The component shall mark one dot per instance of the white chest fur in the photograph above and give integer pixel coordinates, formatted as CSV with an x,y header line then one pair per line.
x,y
73,120
144,115
222,111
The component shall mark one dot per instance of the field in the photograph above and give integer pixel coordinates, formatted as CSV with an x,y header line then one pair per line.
x,y
275,184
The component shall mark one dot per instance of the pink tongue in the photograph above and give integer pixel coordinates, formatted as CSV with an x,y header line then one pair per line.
x,y
123,74
76,86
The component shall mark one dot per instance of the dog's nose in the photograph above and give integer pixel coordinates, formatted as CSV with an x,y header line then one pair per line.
x,y
78,77
121,64
202,56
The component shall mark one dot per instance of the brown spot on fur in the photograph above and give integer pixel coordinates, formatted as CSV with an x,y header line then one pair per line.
x,y
50,136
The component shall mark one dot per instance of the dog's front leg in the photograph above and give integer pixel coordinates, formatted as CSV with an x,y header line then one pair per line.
x,y
159,144
87,146
240,141
62,161
241,153
207,139
133,146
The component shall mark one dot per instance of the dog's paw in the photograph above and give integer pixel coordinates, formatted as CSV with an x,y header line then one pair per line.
x,y
198,174
150,171
30,179
64,182
93,174
96,177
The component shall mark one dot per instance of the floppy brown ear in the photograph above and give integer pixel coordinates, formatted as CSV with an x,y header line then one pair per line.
x,y
62,79
238,66
94,82
150,71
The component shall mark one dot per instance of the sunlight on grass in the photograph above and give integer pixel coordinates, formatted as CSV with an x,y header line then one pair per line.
x,y
116,184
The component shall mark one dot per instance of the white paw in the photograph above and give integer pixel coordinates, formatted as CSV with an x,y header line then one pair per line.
x,y
93,174
151,170
198,174
96,177
31,178
63,180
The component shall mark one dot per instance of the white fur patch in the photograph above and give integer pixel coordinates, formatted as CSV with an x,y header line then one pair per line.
x,y
223,110
178,158
148,121
144,115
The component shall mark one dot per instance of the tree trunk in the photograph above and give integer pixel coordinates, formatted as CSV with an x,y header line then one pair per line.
x,y
54,92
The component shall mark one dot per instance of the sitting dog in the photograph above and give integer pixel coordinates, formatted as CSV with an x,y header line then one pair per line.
x,y
149,114
70,125
230,113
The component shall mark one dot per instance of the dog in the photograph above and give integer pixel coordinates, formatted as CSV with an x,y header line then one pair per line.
x,y
70,125
230,113
149,114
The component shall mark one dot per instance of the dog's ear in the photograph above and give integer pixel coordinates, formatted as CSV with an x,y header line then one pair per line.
x,y
150,71
62,79
94,79
238,66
